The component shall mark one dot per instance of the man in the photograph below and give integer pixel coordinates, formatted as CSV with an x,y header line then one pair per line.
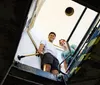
x,y
49,61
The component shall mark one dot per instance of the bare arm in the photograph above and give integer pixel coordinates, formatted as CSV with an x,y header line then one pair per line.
x,y
65,65
41,49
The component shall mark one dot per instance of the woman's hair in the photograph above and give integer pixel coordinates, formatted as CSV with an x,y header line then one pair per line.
x,y
60,41
66,43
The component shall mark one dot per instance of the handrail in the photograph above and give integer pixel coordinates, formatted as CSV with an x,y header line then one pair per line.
x,y
61,63
38,7
84,40
68,43
39,3
75,54
70,54
82,43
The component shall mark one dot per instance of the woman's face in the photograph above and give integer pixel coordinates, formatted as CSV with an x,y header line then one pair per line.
x,y
62,42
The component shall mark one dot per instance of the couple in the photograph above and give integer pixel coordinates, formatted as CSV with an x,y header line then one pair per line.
x,y
49,61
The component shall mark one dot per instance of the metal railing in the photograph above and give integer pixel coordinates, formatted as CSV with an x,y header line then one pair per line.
x,y
80,46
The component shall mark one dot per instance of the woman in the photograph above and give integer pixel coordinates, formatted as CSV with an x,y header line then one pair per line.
x,y
67,51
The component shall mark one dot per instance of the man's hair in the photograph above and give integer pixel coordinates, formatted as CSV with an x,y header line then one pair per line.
x,y
52,33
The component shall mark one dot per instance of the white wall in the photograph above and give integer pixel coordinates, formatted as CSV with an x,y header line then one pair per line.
x,y
52,17
26,47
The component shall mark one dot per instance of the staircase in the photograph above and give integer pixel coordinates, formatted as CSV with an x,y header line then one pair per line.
x,y
21,74
86,71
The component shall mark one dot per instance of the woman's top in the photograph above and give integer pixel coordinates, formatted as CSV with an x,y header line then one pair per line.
x,y
65,53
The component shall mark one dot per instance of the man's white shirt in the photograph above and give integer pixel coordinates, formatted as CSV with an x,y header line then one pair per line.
x,y
49,48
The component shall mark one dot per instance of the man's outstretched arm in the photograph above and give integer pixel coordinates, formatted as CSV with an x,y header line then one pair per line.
x,y
41,49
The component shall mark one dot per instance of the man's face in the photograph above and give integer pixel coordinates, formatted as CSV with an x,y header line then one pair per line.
x,y
51,37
